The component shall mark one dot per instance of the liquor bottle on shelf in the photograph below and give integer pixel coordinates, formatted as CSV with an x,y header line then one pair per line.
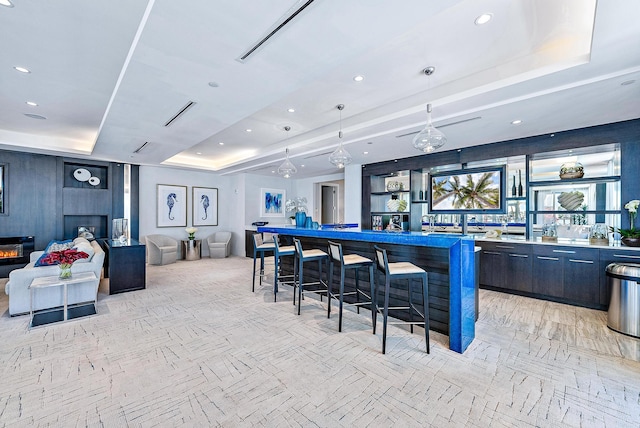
x,y
519,183
513,188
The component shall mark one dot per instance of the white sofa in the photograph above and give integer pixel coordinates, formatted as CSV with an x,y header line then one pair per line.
x,y
19,280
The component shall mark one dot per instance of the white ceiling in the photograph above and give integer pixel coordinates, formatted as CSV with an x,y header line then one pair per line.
x,y
108,75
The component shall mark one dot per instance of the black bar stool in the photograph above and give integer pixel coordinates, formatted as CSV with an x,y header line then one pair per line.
x,y
401,270
355,262
310,256
282,251
260,247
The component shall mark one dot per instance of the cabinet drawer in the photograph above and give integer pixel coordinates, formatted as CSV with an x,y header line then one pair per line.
x,y
505,247
567,252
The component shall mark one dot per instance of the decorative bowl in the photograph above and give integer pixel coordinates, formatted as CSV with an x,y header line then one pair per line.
x,y
571,201
571,170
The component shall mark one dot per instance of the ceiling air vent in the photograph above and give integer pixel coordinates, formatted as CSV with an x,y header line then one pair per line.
x,y
182,111
139,149
441,126
277,26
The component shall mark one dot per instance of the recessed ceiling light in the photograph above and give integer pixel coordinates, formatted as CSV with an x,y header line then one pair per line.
x,y
214,84
248,130
6,3
358,78
273,172
291,110
370,142
365,153
516,122
198,153
31,103
627,82
35,116
221,143
301,166
483,19
22,69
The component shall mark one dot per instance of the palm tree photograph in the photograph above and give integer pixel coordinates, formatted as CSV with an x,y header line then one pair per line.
x,y
474,191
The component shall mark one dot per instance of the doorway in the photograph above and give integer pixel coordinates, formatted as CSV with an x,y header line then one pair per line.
x,y
329,213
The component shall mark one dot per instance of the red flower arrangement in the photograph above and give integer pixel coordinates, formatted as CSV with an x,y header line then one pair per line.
x,y
64,258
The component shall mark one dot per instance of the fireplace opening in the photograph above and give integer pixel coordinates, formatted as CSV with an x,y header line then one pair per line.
x,y
15,250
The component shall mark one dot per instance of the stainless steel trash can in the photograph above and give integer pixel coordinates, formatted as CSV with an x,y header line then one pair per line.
x,y
624,306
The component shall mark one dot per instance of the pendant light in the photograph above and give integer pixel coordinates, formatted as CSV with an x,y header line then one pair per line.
x,y
429,139
340,157
287,169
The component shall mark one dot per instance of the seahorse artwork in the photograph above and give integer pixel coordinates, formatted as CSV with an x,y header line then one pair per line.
x,y
204,200
171,200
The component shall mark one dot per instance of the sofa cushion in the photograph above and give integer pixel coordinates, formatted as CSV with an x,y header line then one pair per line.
x,y
58,246
85,247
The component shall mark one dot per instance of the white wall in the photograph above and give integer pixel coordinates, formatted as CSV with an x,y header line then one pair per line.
x,y
353,193
151,176
239,199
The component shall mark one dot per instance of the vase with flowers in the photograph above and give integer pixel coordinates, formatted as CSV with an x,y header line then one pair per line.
x,y
192,232
631,236
298,206
64,259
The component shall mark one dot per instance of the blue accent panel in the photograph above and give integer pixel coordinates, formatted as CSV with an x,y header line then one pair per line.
x,y
462,313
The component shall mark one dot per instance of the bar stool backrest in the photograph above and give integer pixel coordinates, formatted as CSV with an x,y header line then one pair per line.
x,y
298,245
257,240
335,250
381,259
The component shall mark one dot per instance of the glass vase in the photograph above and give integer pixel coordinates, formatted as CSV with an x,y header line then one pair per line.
x,y
301,218
65,271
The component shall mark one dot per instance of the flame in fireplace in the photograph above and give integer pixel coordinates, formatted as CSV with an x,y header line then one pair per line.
x,y
6,254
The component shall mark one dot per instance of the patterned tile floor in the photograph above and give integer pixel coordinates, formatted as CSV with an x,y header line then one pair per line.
x,y
197,348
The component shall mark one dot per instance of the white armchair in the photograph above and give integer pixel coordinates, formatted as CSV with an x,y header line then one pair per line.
x,y
161,249
219,244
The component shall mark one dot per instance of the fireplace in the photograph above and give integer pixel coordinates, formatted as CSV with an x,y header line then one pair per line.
x,y
15,250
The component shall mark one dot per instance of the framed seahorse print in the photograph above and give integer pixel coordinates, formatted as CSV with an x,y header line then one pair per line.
x,y
172,206
205,206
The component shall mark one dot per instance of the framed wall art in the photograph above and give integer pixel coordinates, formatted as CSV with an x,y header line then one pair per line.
x,y
3,189
272,202
205,206
172,206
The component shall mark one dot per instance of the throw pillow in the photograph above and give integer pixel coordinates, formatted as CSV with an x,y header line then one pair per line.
x,y
53,246
85,247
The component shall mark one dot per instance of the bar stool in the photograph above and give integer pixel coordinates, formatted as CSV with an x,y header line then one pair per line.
x,y
401,270
355,262
282,251
260,247
309,256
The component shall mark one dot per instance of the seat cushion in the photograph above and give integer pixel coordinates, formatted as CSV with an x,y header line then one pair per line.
x,y
403,268
353,259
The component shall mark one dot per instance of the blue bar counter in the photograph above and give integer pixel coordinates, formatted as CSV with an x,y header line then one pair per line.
x,y
448,260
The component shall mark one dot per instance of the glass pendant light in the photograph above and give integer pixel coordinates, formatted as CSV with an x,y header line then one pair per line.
x,y
287,169
340,157
429,139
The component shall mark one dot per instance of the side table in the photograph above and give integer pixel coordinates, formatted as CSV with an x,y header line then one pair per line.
x,y
47,316
191,249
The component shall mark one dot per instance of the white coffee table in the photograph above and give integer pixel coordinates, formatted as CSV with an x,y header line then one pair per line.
x,y
54,314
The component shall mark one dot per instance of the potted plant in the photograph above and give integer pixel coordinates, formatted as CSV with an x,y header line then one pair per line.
x,y
631,236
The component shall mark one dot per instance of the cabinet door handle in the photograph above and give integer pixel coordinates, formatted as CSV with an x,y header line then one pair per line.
x,y
492,252
564,251
547,258
524,256
624,256
504,246
581,261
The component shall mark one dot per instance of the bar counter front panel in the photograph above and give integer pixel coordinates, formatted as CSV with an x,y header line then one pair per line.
x,y
448,260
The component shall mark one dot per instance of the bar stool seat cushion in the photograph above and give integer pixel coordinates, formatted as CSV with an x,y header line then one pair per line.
x,y
313,253
354,259
266,246
404,268
287,251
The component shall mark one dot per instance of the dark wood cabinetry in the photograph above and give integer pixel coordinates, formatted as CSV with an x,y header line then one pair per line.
x,y
506,265
124,265
567,274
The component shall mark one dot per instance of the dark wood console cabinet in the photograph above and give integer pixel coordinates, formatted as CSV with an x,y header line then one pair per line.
x,y
124,265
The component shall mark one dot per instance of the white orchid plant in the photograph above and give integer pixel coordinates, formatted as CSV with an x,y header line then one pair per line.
x,y
296,205
192,232
632,232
